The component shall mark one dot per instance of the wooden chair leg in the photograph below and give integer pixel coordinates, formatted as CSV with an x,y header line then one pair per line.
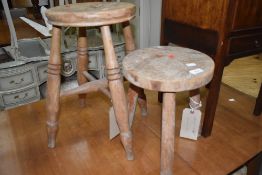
x,y
53,87
130,46
168,134
117,92
258,106
82,61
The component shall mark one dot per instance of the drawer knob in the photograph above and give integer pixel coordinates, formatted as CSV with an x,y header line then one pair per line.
x,y
257,44
16,82
18,97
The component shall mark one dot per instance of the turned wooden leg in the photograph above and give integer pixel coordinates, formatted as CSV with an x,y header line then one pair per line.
x,y
82,61
117,92
168,134
53,87
130,46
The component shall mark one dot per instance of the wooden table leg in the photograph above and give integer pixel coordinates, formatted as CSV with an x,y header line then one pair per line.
x,y
258,106
82,61
117,92
214,87
168,134
130,46
53,87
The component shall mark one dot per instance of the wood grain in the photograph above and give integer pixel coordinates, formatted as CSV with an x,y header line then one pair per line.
x,y
82,60
198,8
168,134
117,92
91,14
247,10
83,141
135,94
164,68
53,87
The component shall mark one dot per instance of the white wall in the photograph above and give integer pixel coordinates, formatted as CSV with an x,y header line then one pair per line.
x,y
150,22
147,24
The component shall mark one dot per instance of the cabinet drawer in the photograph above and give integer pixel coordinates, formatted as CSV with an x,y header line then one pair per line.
x,y
42,72
21,97
245,44
16,80
93,60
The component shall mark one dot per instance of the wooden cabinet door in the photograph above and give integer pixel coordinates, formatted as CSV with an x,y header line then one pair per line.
x,y
248,14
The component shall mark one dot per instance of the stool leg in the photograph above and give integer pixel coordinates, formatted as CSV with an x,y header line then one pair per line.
x,y
168,134
117,92
130,46
53,87
134,97
82,61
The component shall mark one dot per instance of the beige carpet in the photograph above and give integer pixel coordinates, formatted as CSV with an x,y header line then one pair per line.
x,y
244,74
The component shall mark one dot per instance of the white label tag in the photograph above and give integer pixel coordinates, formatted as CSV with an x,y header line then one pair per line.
x,y
190,125
113,127
196,71
190,64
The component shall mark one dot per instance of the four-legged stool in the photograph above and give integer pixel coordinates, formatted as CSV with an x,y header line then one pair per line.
x,y
83,15
169,70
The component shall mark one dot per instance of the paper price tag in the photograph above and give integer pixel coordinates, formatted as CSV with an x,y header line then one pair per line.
x,y
190,64
113,127
196,71
190,125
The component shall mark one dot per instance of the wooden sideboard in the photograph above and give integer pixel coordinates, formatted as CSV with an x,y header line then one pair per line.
x,y
224,29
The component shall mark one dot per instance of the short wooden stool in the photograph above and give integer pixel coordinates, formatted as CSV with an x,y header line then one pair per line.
x,y
169,70
83,15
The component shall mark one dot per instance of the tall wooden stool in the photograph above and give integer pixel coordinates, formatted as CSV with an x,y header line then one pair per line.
x,y
169,70
83,15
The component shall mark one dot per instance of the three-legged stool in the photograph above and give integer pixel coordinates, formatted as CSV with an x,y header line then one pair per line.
x,y
83,15
169,70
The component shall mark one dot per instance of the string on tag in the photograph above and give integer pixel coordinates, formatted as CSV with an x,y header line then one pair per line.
x,y
195,106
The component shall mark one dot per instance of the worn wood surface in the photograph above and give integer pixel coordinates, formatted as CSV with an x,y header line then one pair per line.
x,y
165,69
91,14
168,134
83,143
117,92
135,94
82,60
53,87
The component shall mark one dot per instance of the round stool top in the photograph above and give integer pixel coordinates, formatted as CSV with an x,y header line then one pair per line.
x,y
91,14
168,69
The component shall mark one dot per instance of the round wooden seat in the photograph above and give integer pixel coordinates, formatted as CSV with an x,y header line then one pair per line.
x,y
91,14
168,69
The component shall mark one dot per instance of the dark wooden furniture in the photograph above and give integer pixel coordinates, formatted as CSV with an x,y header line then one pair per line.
x,y
258,107
225,30
84,15
140,67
